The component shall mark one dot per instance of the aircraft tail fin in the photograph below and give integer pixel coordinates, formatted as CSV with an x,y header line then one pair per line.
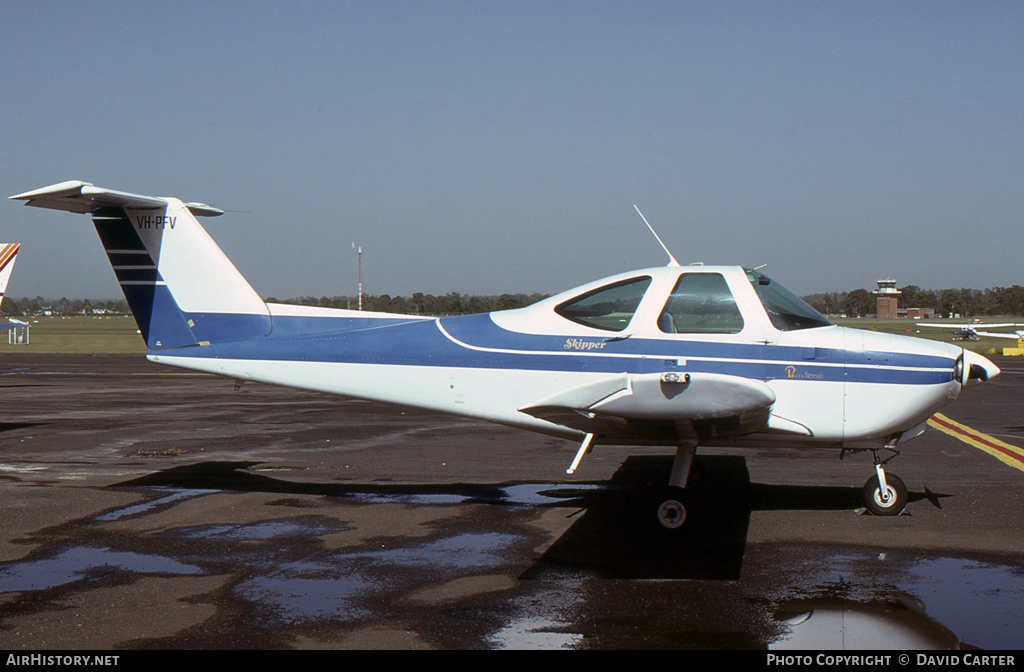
x,y
8,255
179,284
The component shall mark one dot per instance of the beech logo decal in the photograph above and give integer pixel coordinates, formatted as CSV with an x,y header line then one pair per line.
x,y
791,372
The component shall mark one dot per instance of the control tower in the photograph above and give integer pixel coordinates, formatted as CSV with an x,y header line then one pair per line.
x,y
888,299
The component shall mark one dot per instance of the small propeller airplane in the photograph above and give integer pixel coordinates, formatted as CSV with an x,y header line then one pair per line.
x,y
971,331
671,356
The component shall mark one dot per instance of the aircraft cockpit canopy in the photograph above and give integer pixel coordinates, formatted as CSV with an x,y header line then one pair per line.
x,y
700,302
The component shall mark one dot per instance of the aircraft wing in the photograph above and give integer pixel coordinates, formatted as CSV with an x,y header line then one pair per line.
x,y
83,197
994,334
657,405
971,327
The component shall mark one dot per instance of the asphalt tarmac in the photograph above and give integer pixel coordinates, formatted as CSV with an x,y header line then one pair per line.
x,y
142,508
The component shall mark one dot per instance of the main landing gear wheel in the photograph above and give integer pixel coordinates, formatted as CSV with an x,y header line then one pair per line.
x,y
671,514
889,503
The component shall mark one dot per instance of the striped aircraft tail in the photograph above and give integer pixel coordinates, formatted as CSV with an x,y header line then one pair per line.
x,y
8,255
179,284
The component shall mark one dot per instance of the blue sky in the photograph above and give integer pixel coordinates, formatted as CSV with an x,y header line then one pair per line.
x,y
487,147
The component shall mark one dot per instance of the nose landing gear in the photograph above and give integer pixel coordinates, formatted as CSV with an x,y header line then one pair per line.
x,y
885,494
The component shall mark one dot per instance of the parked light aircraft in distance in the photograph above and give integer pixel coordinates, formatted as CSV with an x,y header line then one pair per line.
x,y
676,356
971,332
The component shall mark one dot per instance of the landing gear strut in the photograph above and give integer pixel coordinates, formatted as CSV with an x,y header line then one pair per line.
x,y
884,494
671,510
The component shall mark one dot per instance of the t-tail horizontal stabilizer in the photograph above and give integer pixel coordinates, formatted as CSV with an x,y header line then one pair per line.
x,y
181,287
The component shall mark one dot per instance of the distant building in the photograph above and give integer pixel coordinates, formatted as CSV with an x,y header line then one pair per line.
x,y
888,299
919,313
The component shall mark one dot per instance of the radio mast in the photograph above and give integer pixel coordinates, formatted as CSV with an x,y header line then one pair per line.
x,y
359,258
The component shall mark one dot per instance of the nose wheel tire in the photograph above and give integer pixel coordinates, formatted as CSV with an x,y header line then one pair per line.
x,y
890,503
671,514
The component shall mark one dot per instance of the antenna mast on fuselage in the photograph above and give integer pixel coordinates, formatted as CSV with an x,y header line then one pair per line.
x,y
671,260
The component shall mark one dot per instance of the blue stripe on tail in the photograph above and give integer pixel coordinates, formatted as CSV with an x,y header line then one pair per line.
x,y
160,320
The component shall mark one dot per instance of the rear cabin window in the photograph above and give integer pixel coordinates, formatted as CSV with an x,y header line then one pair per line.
x,y
610,308
701,303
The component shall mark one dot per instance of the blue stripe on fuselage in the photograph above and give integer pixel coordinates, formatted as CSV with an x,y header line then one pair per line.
x,y
477,342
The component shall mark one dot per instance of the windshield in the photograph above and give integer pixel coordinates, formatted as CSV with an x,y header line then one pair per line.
x,y
786,310
610,308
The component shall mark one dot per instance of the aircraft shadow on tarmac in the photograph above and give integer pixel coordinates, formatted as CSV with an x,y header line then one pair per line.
x,y
615,532
11,426
619,536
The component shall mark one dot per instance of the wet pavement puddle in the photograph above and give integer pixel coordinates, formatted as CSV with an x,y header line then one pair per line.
x,y
479,572
902,601
83,564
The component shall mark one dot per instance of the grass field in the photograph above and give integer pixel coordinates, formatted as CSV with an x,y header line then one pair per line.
x,y
984,345
79,334
119,335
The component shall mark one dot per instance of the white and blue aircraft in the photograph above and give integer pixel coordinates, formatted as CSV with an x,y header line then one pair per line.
x,y
677,356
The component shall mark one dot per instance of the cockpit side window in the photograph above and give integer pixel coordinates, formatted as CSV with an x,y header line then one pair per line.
x,y
701,303
610,307
786,310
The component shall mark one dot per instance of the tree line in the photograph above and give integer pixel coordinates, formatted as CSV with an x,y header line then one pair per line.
x,y
63,306
855,303
858,302
945,302
419,303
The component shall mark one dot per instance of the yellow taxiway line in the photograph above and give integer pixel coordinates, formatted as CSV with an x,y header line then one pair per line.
x,y
1002,451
